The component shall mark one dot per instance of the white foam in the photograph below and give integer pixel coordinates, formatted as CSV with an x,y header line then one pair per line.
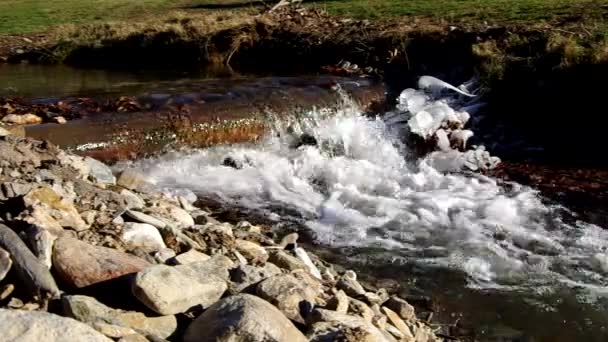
x,y
357,189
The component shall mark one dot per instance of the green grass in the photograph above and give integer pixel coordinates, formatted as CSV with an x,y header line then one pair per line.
x,y
25,16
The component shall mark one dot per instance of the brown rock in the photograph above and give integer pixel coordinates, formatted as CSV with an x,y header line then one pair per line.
x,y
288,294
397,322
80,264
401,307
59,208
25,119
252,251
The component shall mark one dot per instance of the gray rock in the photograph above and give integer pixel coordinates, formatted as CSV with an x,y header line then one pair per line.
x,y
99,172
170,290
80,264
32,273
243,318
284,260
27,326
41,242
401,307
288,294
253,252
244,276
133,201
338,326
348,282
5,263
190,257
89,310
142,235
145,218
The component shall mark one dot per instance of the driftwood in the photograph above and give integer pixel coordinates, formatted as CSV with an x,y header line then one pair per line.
x,y
34,275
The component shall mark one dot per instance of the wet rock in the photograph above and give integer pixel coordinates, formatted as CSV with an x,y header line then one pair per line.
x,y
288,294
348,282
99,172
285,260
25,119
32,273
243,318
145,218
142,235
41,243
339,302
189,257
170,290
133,180
59,208
5,263
305,139
80,264
133,201
401,307
397,322
303,256
330,325
89,310
252,251
18,325
244,276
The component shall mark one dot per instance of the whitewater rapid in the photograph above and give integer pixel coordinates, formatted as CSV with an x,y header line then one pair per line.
x,y
361,186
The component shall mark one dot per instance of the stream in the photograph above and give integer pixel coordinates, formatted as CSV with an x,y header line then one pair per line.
x,y
500,260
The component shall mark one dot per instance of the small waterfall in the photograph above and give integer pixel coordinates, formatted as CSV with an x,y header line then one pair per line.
x,y
355,181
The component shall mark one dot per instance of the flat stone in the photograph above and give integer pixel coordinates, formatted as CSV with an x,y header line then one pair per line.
x,y
142,235
27,326
397,322
80,264
5,263
169,290
145,218
338,325
285,260
133,201
244,276
401,307
348,282
253,252
99,172
287,293
190,257
59,208
243,318
89,310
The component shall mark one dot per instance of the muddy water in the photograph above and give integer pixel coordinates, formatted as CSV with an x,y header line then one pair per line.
x,y
365,204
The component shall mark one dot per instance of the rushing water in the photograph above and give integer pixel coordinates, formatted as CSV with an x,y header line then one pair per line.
x,y
490,249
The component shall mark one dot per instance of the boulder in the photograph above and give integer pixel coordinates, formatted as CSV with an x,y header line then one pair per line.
x,y
285,260
253,252
169,290
142,235
27,326
289,294
243,318
59,208
89,310
80,264
99,172
5,263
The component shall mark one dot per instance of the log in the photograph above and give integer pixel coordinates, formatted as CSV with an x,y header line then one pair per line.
x,y
34,275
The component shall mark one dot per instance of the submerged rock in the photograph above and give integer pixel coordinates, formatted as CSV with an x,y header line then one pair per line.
x,y
243,318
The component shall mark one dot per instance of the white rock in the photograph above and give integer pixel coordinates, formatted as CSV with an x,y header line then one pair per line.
x,y
29,326
142,235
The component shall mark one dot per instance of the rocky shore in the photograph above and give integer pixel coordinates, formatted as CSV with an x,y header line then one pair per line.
x,y
91,255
